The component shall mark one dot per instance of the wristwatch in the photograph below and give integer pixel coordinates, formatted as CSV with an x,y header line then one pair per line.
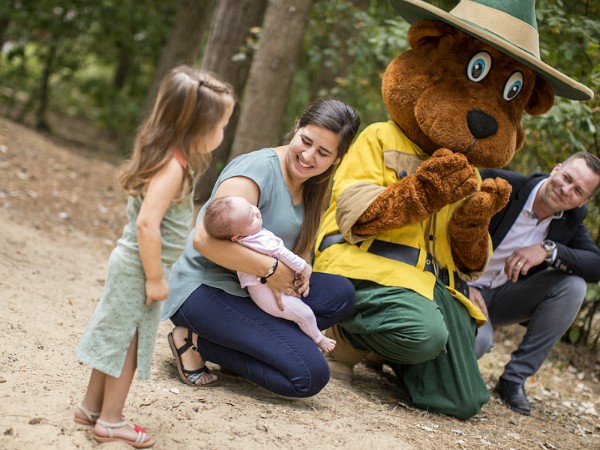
x,y
550,247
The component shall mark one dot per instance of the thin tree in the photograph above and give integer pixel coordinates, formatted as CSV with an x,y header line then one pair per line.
x,y
191,24
229,56
268,87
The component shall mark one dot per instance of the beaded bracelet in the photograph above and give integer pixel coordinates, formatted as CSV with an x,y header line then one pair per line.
x,y
271,271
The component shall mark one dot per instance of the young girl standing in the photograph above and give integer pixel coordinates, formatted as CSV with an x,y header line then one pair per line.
x,y
186,124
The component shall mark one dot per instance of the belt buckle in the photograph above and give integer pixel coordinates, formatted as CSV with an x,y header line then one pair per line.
x,y
431,266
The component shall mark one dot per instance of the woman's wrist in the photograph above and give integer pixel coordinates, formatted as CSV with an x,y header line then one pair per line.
x,y
270,272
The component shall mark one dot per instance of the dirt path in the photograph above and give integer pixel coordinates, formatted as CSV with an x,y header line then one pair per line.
x,y
60,211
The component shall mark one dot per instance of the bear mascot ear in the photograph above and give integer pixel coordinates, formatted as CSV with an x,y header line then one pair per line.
x,y
542,98
427,33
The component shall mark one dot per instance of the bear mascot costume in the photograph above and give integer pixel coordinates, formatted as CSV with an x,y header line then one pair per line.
x,y
408,218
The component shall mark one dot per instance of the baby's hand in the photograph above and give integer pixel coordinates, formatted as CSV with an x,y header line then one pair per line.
x,y
302,280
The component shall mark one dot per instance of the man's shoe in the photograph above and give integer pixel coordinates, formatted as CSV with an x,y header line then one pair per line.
x,y
513,395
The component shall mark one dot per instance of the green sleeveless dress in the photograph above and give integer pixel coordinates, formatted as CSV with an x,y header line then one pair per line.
x,y
122,309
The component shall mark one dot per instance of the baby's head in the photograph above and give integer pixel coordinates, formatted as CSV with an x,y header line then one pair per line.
x,y
231,218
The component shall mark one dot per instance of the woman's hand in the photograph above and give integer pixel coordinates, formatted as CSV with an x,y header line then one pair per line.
x,y
282,281
477,299
303,279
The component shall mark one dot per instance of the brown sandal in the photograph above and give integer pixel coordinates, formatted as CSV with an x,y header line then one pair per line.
x,y
189,377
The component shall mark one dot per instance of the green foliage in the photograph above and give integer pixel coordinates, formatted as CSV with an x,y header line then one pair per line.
x,y
92,41
584,330
569,36
359,55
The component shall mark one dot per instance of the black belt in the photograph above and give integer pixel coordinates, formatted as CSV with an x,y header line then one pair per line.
x,y
404,254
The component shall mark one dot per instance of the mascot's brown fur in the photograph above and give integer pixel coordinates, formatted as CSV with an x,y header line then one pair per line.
x,y
429,96
409,213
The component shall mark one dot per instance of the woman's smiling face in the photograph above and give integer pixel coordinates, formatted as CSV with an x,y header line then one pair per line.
x,y
311,152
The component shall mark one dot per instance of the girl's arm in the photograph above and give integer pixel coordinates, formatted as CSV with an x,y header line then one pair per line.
x,y
160,193
234,256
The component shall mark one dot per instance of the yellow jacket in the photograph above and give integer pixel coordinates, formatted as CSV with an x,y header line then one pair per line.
x,y
383,155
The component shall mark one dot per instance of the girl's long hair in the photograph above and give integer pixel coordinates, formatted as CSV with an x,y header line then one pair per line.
x,y
189,105
342,119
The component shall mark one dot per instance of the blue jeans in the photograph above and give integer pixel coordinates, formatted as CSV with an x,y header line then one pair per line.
x,y
272,352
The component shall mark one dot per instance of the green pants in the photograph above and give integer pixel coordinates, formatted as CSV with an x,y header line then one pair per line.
x,y
428,344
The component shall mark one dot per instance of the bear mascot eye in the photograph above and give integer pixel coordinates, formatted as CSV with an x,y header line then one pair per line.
x,y
479,66
513,86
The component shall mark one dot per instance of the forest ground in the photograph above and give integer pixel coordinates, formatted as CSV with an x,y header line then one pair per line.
x,y
60,214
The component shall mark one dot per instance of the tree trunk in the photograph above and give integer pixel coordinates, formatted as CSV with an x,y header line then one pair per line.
x,y
5,12
40,117
229,57
268,87
4,22
123,64
191,24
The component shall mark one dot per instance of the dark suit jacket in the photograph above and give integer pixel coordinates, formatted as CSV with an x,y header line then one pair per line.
x,y
577,253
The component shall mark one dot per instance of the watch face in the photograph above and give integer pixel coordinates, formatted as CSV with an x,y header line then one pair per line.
x,y
549,246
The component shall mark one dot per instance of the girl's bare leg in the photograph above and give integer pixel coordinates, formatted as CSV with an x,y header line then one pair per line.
x,y
92,401
115,395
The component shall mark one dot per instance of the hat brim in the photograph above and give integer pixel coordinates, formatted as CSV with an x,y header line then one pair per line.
x,y
415,10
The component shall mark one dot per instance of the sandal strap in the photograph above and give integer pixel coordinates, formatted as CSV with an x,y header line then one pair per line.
x,y
189,343
141,434
195,375
90,415
109,425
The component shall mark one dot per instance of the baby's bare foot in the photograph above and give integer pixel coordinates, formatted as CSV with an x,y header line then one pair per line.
x,y
326,344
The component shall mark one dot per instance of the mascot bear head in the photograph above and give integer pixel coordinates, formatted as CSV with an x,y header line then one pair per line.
x,y
469,76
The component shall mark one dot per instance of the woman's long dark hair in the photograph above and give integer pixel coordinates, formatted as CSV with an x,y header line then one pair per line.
x,y
342,119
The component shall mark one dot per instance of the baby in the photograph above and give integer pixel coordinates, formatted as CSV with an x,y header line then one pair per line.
x,y
236,219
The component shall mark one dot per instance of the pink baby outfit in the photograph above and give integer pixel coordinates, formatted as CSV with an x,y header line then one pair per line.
x,y
295,309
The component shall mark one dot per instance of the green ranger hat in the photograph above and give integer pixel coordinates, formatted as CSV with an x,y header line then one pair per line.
x,y
507,25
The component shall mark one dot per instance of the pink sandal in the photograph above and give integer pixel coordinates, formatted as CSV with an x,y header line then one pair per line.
x,y
142,440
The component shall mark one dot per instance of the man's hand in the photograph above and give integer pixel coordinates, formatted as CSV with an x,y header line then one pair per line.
x,y
477,300
522,260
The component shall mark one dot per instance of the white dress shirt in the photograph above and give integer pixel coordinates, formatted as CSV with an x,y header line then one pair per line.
x,y
527,230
